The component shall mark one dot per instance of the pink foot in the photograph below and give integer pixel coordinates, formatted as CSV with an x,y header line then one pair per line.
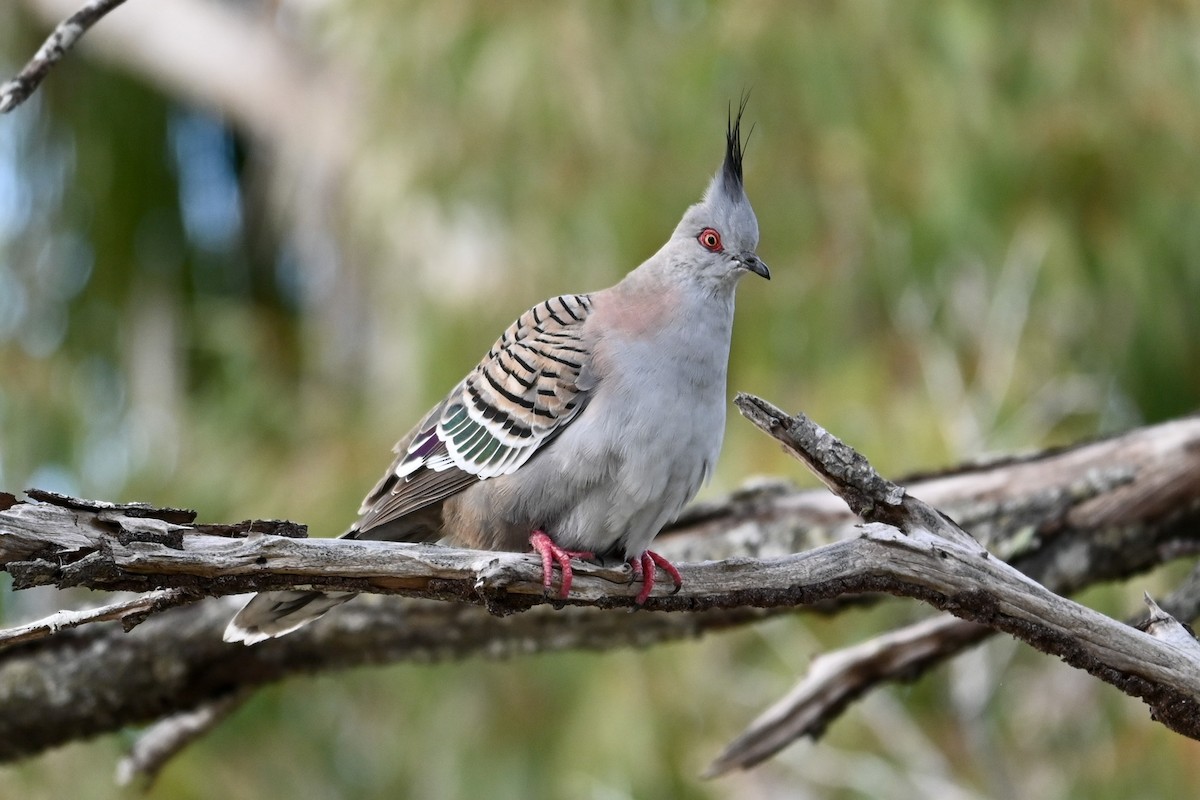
x,y
545,547
643,570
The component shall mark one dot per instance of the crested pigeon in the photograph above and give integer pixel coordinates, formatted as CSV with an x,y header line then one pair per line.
x,y
587,426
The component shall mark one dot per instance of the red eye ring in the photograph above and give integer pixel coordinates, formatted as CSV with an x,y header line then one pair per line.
x,y
710,240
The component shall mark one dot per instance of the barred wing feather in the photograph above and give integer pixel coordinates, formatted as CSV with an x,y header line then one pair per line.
x,y
536,379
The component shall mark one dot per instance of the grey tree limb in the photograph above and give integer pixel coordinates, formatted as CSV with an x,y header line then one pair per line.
x,y
955,573
1051,514
159,743
838,678
61,39
128,612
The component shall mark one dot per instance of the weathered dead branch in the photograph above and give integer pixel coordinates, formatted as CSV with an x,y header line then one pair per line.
x,y
1103,510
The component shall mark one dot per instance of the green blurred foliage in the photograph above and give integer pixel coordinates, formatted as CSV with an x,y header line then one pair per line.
x,y
982,223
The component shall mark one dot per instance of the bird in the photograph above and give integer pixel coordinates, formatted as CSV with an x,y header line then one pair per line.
x,y
588,426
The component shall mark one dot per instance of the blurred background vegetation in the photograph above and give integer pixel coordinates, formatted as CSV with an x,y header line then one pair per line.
x,y
982,222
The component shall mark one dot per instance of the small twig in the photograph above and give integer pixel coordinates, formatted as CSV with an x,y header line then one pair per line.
x,y
844,471
62,39
1184,600
129,612
165,738
848,474
1162,625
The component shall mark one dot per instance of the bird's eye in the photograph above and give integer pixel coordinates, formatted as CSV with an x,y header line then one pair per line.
x,y
710,240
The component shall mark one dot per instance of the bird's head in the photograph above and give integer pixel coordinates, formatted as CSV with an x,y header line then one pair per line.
x,y
717,237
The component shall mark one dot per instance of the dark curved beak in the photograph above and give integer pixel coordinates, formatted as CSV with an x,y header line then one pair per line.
x,y
753,263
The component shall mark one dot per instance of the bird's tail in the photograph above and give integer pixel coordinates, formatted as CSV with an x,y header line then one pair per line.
x,y
271,614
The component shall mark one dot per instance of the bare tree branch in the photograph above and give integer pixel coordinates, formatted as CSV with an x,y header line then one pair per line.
x,y
836,679
128,612
1052,514
164,739
962,578
62,39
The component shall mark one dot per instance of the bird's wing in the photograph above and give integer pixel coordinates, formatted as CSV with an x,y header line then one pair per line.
x,y
536,379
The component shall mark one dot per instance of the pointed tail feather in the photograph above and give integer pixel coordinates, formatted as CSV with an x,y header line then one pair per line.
x,y
271,614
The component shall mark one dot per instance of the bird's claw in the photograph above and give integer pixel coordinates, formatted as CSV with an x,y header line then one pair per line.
x,y
550,553
643,570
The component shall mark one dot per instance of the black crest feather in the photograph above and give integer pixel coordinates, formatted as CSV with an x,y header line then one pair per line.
x,y
734,147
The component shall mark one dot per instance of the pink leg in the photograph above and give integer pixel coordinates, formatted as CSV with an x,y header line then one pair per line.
x,y
643,569
545,547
